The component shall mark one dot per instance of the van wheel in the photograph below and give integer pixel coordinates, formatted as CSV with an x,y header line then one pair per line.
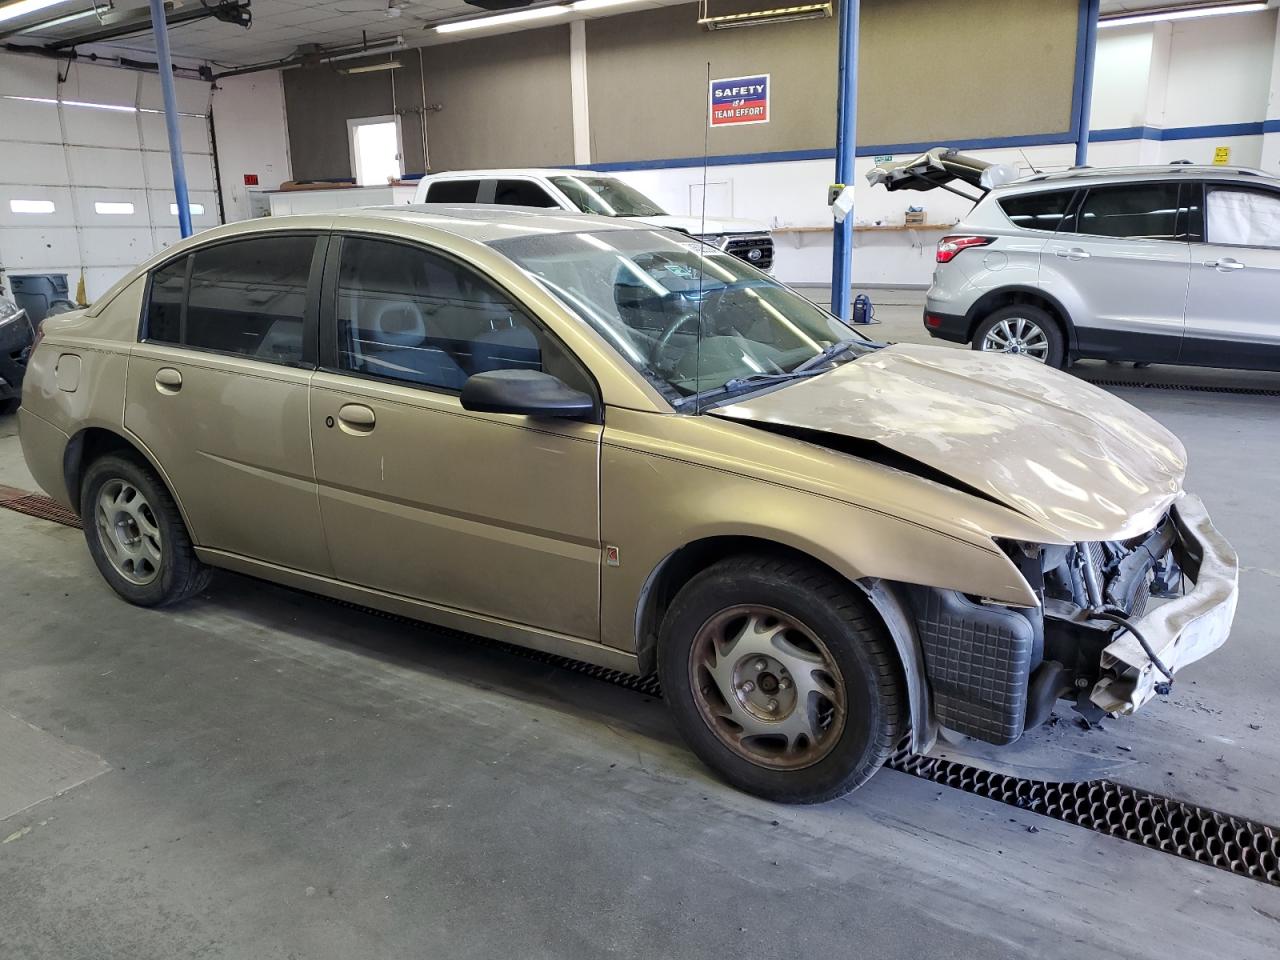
x,y
780,679
1023,330
136,535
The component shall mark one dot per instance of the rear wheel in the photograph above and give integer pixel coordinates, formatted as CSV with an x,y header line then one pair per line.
x,y
780,679
136,535
1023,330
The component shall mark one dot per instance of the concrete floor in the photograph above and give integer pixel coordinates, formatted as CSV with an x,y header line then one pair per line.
x,y
262,774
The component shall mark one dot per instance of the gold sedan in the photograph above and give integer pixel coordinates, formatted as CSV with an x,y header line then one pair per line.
x,y
611,442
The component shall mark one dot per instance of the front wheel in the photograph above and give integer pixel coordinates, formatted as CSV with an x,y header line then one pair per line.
x,y
1022,330
780,679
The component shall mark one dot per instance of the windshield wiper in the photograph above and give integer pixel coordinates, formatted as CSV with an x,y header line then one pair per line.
x,y
757,378
835,350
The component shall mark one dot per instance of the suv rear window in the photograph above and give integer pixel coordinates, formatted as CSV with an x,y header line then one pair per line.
x,y
1038,211
1147,211
453,191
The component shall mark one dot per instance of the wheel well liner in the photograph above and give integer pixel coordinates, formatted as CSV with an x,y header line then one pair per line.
x,y
885,599
989,302
92,443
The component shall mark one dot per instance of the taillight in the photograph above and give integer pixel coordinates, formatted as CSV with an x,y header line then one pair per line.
x,y
949,247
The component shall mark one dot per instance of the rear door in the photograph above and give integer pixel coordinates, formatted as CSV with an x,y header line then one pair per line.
x,y
1233,305
217,390
1120,264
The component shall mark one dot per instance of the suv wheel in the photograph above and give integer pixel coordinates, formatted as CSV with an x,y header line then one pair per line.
x,y
1023,330
780,680
136,535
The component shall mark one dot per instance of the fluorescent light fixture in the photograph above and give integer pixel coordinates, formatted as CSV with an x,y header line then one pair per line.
x,y
31,206
804,11
57,22
1183,13
586,6
196,209
502,19
372,67
109,208
119,108
12,11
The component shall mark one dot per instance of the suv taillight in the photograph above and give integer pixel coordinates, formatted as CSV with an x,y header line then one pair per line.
x,y
949,247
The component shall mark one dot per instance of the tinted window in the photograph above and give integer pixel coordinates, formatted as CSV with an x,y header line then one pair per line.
x,y
407,314
1038,211
1245,217
606,196
1146,211
164,307
249,297
453,191
522,193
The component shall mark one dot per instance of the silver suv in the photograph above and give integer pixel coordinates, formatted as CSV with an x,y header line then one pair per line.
x,y
1176,264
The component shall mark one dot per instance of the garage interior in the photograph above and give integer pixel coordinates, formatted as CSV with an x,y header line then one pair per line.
x,y
260,772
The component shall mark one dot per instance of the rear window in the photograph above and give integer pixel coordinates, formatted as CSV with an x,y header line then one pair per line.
x,y
245,297
522,193
453,191
1038,211
1144,211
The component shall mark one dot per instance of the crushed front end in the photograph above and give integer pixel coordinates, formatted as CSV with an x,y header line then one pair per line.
x,y
1116,620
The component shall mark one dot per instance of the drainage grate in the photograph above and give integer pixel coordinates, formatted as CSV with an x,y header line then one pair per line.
x,y
1194,833
37,505
1196,387
1239,846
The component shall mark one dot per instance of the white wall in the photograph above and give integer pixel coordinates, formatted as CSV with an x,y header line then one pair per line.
x,y
1120,72
1219,70
249,124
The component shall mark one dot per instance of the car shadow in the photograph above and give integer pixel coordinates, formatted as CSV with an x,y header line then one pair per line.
x,y
272,611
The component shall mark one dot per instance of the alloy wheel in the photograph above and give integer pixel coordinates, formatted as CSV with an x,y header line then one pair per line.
x,y
768,687
129,532
1017,335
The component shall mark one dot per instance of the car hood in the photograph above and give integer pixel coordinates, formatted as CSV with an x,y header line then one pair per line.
x,y
697,227
1081,463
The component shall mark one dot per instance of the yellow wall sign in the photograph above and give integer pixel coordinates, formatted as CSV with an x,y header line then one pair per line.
x,y
1221,156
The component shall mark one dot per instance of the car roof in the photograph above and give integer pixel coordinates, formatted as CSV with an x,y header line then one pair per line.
x,y
1183,171
482,222
511,172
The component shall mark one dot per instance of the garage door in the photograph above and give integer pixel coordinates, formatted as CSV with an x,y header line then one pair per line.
x,y
85,182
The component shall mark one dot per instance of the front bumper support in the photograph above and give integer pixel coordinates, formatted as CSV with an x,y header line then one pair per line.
x,y
1182,630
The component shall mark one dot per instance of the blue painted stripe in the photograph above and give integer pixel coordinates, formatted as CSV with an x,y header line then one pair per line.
x,y
1110,135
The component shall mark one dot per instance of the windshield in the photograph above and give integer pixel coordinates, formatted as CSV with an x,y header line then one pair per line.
x,y
607,196
648,291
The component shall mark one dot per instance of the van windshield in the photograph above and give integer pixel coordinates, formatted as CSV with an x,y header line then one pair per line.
x,y
607,197
695,321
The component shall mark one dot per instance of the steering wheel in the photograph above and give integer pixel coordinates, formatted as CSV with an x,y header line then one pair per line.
x,y
710,300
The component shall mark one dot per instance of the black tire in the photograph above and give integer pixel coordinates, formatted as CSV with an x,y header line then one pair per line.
x,y
868,671
1056,355
179,574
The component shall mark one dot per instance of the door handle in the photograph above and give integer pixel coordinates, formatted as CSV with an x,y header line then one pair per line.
x,y
1225,265
356,418
1072,253
168,380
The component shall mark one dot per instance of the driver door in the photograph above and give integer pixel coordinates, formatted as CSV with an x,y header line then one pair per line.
x,y
490,514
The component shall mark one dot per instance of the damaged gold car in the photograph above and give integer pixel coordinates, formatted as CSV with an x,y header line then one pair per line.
x,y
608,441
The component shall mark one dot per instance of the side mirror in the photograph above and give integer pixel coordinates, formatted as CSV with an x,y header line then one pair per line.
x,y
530,393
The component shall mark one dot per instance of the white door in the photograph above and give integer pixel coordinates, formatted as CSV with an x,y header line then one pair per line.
x,y
1233,304
85,179
1123,261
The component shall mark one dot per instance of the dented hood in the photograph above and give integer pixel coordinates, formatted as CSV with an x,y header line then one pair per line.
x,y
1082,463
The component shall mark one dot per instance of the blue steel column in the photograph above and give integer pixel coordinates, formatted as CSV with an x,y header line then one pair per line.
x,y
846,144
161,30
1086,87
